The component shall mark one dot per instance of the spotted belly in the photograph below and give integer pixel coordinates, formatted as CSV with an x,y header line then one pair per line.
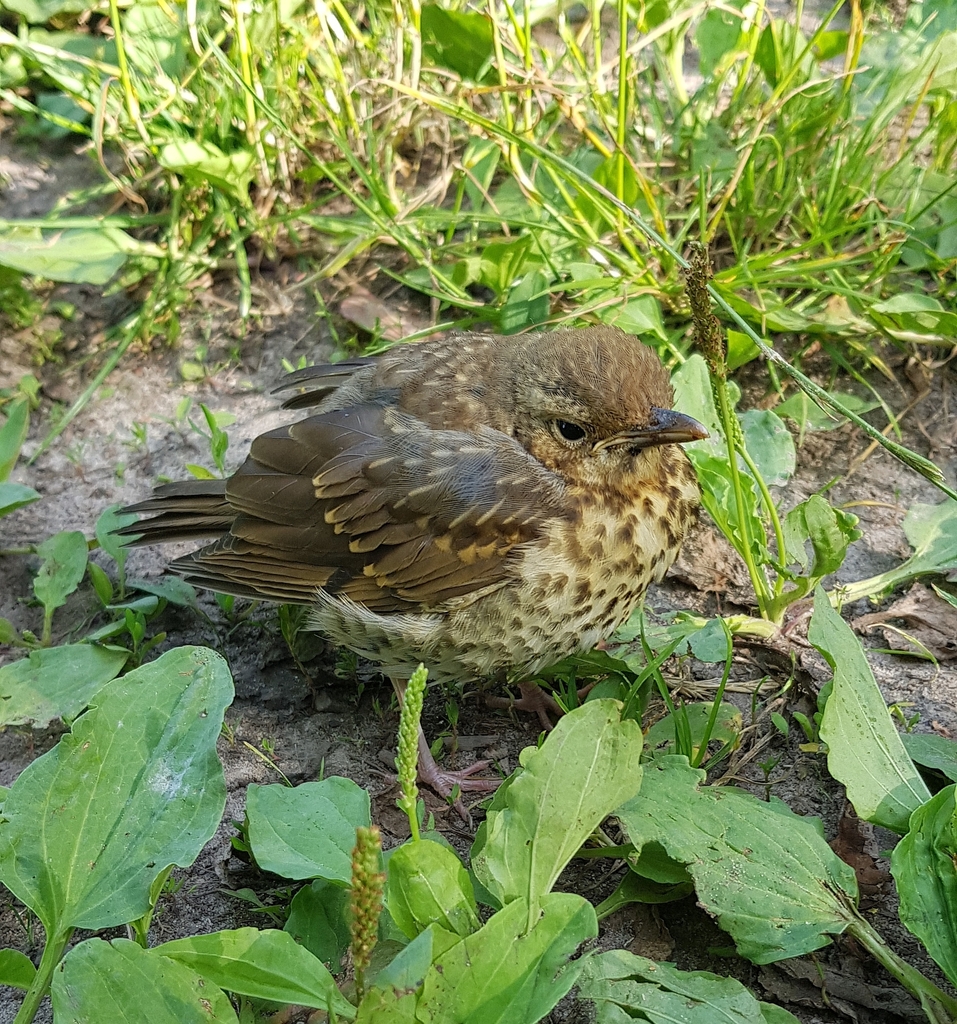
x,y
565,592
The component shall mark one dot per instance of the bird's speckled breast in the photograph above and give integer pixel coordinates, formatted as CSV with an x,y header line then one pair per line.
x,y
569,590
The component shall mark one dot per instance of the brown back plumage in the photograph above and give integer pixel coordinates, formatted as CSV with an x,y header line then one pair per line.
x,y
420,473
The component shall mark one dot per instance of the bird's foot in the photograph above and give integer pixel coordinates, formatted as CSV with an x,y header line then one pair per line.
x,y
534,699
445,782
537,701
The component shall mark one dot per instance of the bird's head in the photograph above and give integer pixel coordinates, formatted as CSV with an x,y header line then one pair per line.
x,y
594,406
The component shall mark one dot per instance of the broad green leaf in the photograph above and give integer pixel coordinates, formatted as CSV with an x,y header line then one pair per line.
x,y
458,40
59,53
143,605
12,435
508,971
711,642
924,865
388,1006
123,983
716,37
767,312
865,751
427,884
829,530
766,874
741,350
617,175
135,787
16,969
830,45
693,395
587,766
779,46
203,163
639,316
396,988
14,496
111,520
586,276
408,968
932,532
156,39
101,583
929,751
264,964
308,831
75,255
946,247
64,115
770,445
64,563
624,986
318,920
914,317
934,18
727,727
502,262
717,496
654,863
56,682
170,588
773,1014
465,271
808,415
713,151
527,304
637,889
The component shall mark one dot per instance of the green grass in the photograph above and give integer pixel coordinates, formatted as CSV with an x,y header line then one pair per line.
x,y
808,178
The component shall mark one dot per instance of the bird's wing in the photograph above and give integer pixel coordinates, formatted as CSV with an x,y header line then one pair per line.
x,y
369,503
318,382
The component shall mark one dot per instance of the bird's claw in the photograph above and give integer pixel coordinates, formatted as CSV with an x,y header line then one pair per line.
x,y
534,700
446,783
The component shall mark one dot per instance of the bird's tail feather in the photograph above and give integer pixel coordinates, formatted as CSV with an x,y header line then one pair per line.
x,y
183,510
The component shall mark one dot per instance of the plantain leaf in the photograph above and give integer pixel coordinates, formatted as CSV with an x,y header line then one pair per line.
x,y
865,751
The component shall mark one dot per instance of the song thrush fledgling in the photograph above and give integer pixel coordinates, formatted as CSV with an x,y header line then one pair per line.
x,y
485,505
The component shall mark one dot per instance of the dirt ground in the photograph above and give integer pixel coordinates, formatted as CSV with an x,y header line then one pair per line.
x,y
346,726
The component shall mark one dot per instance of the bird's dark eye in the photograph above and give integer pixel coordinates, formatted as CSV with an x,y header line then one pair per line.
x,y
569,431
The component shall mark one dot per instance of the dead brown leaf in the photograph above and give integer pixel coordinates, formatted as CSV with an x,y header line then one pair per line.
x,y
651,936
807,982
370,313
855,845
931,621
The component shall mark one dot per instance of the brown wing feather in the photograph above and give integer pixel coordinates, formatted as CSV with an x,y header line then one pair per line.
x,y
318,382
369,502
187,509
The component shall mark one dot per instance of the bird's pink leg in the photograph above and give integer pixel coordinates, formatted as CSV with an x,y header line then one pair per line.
x,y
444,782
535,700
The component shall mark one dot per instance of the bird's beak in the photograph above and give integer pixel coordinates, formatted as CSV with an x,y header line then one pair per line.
x,y
666,427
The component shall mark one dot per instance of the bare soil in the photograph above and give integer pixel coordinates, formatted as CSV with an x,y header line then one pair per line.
x,y
315,721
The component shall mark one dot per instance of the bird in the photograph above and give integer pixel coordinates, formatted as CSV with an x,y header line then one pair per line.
x,y
483,504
